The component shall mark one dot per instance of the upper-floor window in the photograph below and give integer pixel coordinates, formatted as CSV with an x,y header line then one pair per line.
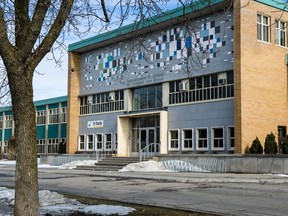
x,y
41,117
280,33
202,88
53,115
102,102
263,28
64,114
147,97
9,120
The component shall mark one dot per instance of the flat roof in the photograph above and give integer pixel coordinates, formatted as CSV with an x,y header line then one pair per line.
x,y
279,4
166,16
40,102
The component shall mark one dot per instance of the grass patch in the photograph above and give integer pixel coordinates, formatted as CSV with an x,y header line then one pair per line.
x,y
141,210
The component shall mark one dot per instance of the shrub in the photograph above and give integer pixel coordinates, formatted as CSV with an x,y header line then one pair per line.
x,y
270,146
285,146
256,147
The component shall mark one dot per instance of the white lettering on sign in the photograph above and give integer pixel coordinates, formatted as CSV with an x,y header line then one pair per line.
x,y
95,124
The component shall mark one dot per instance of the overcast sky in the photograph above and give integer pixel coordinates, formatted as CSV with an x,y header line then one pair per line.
x,y
52,80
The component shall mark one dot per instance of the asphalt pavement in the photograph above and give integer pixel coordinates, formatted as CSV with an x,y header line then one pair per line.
x,y
223,194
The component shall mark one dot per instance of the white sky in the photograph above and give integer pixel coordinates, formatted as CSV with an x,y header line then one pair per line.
x,y
53,81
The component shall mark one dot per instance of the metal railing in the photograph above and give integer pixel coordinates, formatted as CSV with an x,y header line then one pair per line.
x,y
149,151
104,152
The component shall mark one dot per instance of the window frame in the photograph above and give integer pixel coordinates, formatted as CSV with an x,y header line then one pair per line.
x,y
279,31
183,139
105,142
197,139
213,138
96,142
79,142
87,142
262,26
178,140
229,138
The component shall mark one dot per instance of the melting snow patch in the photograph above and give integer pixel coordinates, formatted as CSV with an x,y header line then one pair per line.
x,y
57,205
146,166
73,164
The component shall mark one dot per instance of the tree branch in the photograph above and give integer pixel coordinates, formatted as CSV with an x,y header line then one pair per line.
x,y
52,35
104,11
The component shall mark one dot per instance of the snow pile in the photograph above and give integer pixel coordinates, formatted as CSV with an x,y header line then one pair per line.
x,y
73,164
7,162
146,166
56,204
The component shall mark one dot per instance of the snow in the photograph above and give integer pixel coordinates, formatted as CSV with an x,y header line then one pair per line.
x,y
56,204
145,166
73,164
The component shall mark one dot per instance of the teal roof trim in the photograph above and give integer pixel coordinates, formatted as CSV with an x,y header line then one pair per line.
x,y
171,14
279,4
40,103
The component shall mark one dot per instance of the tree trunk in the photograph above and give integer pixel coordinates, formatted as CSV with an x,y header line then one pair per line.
x,y
26,186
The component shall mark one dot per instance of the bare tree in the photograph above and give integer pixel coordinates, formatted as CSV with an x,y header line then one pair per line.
x,y
29,29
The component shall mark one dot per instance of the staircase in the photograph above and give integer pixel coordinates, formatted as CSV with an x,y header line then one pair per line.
x,y
110,164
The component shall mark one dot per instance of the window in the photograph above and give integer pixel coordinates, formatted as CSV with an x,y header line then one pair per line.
x,y
280,33
81,144
231,138
99,142
217,138
147,97
115,141
5,151
41,117
40,146
203,88
108,141
53,116
174,139
187,139
8,121
103,102
63,114
52,146
1,122
202,139
90,142
263,28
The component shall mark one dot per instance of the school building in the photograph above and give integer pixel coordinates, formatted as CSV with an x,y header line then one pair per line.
x,y
51,116
205,78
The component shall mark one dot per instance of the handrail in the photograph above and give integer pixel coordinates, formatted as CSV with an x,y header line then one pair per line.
x,y
145,153
104,152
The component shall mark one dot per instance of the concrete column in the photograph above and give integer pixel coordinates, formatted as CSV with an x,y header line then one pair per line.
x,y
165,94
124,136
164,132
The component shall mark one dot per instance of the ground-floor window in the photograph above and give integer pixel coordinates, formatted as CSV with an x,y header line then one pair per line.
x,y
41,146
52,146
99,141
174,139
187,139
81,143
218,138
202,139
90,142
115,141
108,141
231,137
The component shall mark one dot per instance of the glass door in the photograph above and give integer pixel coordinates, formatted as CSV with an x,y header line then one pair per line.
x,y
147,137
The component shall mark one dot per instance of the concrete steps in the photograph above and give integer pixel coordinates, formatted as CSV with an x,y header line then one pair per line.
x,y
110,164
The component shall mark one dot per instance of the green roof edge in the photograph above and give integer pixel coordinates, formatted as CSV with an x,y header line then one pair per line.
x,y
171,14
40,102
281,5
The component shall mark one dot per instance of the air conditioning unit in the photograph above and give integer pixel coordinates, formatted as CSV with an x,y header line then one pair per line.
x,y
221,81
110,98
89,100
182,86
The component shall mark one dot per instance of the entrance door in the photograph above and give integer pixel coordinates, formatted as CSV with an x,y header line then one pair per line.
x,y
147,137
281,137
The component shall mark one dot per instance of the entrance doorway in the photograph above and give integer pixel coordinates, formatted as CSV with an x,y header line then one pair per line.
x,y
282,133
149,138
146,134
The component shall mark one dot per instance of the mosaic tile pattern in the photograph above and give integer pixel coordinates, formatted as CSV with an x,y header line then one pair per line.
x,y
209,41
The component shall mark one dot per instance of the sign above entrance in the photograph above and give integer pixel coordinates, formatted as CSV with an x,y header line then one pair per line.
x,y
95,124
